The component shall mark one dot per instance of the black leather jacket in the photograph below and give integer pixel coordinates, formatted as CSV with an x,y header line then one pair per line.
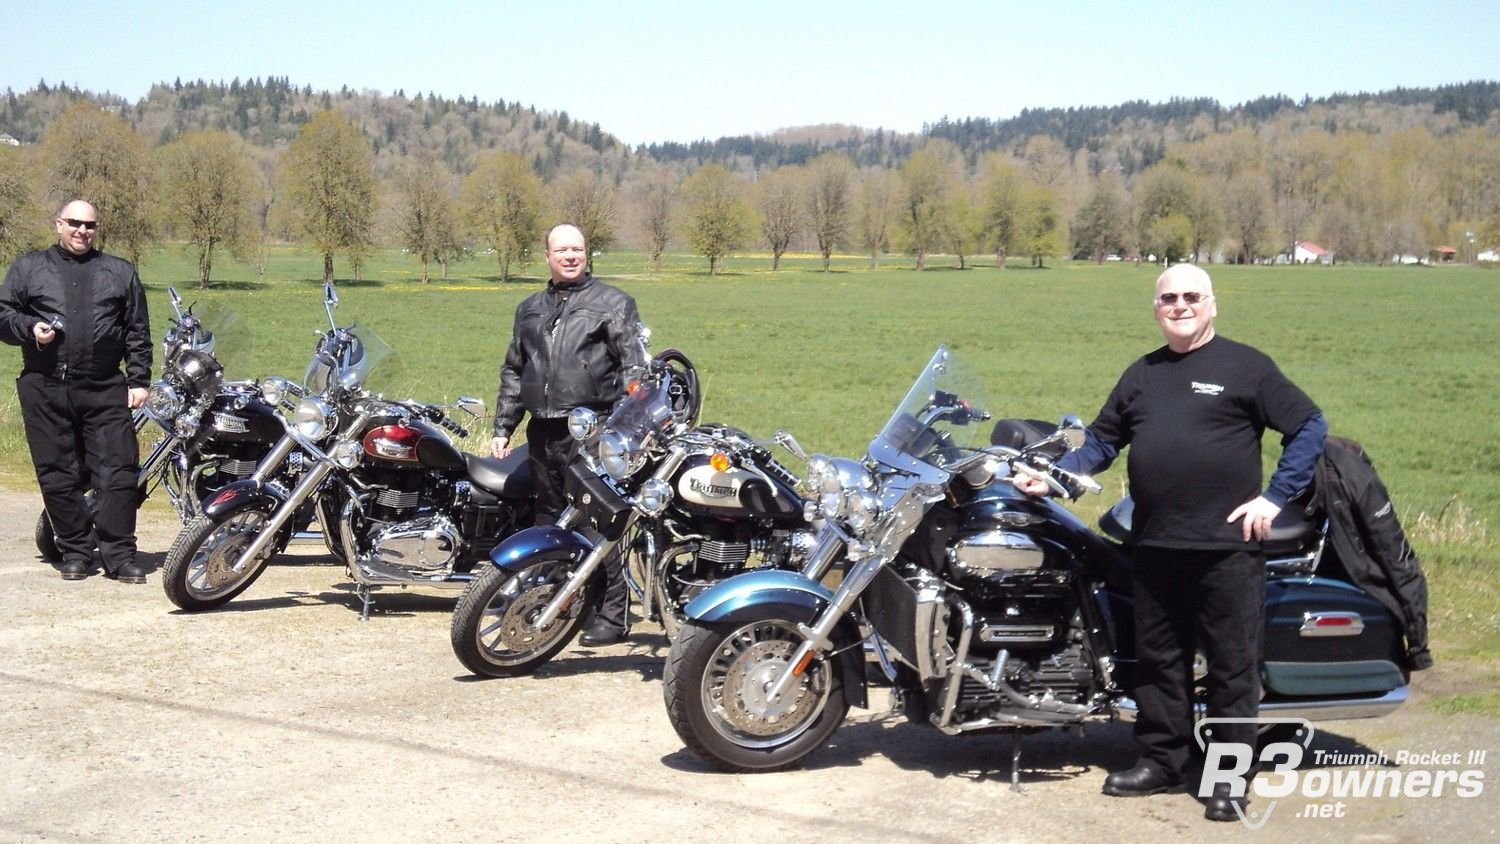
x,y
103,320
579,363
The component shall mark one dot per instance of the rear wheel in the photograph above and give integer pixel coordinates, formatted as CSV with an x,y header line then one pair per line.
x,y
46,540
716,688
199,572
493,632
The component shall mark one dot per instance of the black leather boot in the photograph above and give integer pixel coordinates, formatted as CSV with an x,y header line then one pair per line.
x,y
1139,781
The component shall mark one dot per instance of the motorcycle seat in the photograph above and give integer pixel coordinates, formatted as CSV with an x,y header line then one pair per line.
x,y
507,477
1291,530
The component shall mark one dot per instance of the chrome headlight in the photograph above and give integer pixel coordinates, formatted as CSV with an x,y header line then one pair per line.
x,y
313,418
275,390
346,454
583,424
654,496
861,509
163,404
620,456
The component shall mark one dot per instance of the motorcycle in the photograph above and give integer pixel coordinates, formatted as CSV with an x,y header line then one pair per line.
x,y
985,608
398,501
213,430
688,505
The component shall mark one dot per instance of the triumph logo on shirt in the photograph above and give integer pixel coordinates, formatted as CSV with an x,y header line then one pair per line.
x,y
1203,389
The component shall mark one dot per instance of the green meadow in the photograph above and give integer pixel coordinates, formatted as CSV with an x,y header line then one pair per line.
x,y
1401,359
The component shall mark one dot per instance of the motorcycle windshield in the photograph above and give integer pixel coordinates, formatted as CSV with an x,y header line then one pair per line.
x,y
645,409
939,420
225,335
350,358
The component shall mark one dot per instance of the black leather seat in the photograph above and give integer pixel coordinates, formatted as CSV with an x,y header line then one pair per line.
x,y
507,477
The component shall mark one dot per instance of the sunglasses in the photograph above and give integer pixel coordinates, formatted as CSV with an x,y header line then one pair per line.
x,y
87,225
1192,297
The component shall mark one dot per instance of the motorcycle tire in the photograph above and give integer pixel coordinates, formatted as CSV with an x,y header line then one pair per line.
x,y
491,631
715,683
46,540
197,573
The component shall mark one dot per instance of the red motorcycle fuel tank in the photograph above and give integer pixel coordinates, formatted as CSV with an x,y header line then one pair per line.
x,y
411,444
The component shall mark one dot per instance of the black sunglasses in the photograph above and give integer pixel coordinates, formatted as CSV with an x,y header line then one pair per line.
x,y
88,225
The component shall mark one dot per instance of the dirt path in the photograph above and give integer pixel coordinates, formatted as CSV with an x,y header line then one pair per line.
x,y
283,717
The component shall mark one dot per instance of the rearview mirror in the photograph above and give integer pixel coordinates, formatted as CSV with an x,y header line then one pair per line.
x,y
1071,427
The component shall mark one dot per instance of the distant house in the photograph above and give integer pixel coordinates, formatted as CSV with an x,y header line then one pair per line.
x,y
1444,255
1305,252
1489,256
7,140
1406,258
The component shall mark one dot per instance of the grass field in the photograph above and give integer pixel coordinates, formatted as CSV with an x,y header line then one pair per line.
x,y
1400,359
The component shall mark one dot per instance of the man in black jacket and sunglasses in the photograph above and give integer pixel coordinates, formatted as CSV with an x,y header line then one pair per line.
x,y
78,316
570,347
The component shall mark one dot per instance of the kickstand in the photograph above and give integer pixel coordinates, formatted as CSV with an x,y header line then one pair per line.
x,y
362,591
1015,762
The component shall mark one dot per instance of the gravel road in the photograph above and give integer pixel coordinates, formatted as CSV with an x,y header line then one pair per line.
x,y
283,717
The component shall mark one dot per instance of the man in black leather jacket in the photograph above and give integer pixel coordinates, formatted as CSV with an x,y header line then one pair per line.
x,y
78,314
570,347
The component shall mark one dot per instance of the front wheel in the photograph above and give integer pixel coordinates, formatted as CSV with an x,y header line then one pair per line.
x,y
199,572
716,684
494,632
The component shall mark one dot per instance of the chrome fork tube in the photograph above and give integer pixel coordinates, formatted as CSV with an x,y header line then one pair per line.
x,y
274,458
157,458
580,576
284,513
815,638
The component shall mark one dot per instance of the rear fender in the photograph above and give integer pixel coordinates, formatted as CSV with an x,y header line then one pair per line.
x,y
241,495
794,597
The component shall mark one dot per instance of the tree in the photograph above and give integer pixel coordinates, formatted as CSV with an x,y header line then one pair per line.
x,y
427,221
502,201
207,191
1001,204
829,205
1099,228
328,181
1039,230
965,226
1245,214
779,198
587,200
879,202
716,218
1299,167
21,226
657,198
88,153
928,184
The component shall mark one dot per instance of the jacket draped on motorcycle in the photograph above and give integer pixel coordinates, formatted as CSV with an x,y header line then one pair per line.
x,y
99,309
570,347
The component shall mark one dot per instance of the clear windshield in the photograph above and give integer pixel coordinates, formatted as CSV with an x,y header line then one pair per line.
x,y
349,358
940,420
227,337
643,411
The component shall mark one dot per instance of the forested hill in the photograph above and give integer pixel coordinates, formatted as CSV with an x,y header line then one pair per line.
x,y
267,113
1128,138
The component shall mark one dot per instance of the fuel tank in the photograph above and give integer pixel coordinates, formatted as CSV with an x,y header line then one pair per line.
x,y
700,488
411,444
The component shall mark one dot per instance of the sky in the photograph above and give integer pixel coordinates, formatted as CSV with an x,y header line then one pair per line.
x,y
681,71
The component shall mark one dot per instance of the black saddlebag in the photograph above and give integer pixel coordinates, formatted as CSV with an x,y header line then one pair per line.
x,y
1325,637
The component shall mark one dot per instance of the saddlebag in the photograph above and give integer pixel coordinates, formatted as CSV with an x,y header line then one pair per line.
x,y
1325,637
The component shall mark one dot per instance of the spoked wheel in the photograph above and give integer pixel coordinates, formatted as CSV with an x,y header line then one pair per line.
x,y
493,632
199,572
717,685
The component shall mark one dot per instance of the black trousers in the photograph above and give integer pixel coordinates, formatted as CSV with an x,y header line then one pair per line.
x,y
80,436
1187,601
550,448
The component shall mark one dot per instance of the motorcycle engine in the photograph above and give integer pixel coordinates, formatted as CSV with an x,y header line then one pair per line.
x,y
417,547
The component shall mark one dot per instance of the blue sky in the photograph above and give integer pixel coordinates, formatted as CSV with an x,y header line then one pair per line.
x,y
652,71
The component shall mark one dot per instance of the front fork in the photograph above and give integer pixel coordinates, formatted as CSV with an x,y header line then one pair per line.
x,y
570,516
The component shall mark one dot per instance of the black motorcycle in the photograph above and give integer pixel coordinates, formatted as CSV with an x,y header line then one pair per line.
x,y
213,430
398,501
688,506
986,608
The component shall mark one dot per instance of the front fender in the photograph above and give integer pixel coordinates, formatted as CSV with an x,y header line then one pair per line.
x,y
241,495
539,544
790,595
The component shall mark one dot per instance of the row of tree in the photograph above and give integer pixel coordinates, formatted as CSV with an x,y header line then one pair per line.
x,y
1216,191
